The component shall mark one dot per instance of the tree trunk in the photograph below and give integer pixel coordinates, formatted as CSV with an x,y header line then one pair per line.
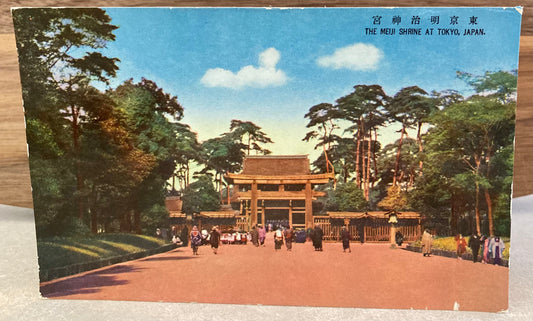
x,y
368,158
453,218
420,147
187,173
487,196
400,179
249,143
125,223
137,222
374,158
326,135
412,177
220,186
76,144
94,221
363,166
326,158
228,195
478,163
398,155
489,212
357,159
93,210
173,181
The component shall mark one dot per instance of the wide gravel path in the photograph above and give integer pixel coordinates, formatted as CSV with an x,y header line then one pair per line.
x,y
372,276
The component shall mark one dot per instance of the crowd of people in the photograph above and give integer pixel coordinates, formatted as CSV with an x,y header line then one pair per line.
x,y
484,249
283,235
490,248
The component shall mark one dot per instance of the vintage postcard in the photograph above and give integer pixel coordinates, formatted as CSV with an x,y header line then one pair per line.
x,y
324,157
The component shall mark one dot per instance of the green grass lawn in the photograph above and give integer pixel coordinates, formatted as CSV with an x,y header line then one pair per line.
x,y
448,244
62,251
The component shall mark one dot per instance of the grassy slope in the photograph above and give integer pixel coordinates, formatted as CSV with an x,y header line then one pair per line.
x,y
63,251
449,244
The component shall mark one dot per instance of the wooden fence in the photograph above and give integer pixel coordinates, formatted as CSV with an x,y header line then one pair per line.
x,y
410,233
369,230
242,224
380,233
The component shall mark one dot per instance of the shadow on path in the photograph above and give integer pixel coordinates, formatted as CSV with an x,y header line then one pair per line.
x,y
115,269
169,258
87,283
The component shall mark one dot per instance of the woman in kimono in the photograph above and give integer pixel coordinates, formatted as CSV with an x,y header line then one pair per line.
x,y
496,249
316,237
474,244
196,240
461,246
254,234
288,235
278,239
262,235
345,237
427,241
214,239
485,249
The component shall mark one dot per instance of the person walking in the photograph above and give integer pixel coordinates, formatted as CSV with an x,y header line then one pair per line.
x,y
278,239
196,240
474,243
214,239
427,242
496,249
262,235
346,237
316,237
204,235
486,249
461,246
288,234
254,234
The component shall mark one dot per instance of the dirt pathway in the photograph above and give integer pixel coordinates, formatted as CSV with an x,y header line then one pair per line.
x,y
372,276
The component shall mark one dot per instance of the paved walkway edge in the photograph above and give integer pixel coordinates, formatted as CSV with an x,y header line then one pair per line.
x,y
59,272
439,252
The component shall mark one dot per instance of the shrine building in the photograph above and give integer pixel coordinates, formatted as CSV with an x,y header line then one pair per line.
x,y
277,189
280,190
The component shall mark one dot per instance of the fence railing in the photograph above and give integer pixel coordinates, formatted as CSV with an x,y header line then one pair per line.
x,y
369,230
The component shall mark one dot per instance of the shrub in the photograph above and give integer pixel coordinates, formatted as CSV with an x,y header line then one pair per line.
x,y
62,251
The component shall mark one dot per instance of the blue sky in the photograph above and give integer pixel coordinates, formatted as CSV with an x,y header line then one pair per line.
x,y
269,66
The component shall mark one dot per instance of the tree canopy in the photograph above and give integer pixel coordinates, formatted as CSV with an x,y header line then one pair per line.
x,y
459,166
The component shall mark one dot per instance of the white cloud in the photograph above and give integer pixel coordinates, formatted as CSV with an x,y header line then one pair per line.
x,y
358,57
264,75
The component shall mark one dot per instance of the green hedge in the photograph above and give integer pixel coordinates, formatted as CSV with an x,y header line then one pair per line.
x,y
62,251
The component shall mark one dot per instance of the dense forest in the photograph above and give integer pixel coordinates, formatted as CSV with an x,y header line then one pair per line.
x,y
104,161
457,171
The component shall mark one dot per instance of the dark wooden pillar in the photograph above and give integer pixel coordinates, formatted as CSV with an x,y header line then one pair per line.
x,y
308,206
253,206
290,215
263,210
419,230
